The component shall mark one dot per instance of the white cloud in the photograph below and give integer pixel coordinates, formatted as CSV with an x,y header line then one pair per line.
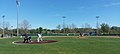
x,y
112,4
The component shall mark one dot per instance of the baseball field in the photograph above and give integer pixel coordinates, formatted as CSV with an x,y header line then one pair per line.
x,y
64,45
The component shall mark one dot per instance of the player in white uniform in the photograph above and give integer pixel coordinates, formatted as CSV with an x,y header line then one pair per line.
x,y
39,38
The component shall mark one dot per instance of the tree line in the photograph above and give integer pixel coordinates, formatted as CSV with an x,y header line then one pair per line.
x,y
86,28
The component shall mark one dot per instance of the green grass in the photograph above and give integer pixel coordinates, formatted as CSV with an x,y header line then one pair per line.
x,y
68,45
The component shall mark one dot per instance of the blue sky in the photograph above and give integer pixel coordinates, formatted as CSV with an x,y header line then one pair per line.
x,y
48,13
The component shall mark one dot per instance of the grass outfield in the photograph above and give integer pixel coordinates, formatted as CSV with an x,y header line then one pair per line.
x,y
65,45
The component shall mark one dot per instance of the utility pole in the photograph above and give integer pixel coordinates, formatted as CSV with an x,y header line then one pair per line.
x,y
17,2
97,25
63,23
3,26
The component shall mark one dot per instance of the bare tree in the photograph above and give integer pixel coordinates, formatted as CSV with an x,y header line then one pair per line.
x,y
87,28
7,25
73,26
87,25
25,25
58,27
0,25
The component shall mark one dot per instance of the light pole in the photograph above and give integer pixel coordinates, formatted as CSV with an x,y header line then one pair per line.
x,y
11,31
63,23
17,2
97,25
3,25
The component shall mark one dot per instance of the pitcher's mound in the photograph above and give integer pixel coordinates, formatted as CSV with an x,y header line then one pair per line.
x,y
35,42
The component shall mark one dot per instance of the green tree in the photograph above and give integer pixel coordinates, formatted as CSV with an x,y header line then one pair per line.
x,y
105,28
39,30
115,30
